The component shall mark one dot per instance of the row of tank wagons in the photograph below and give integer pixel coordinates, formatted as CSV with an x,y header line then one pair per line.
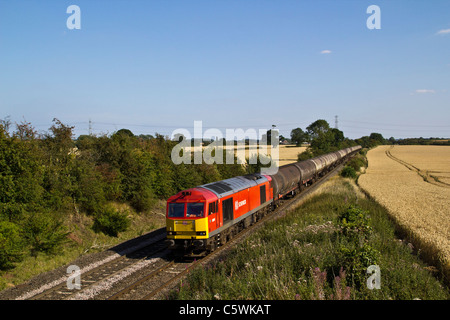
x,y
293,176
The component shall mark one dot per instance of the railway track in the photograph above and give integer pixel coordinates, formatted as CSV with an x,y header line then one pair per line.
x,y
147,287
149,271
100,272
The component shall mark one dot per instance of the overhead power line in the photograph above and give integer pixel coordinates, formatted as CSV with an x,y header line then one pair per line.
x,y
397,125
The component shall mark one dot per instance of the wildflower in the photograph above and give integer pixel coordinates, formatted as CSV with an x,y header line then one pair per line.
x,y
340,294
319,278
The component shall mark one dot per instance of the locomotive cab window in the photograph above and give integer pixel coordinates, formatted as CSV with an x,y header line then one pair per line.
x,y
195,210
176,210
213,207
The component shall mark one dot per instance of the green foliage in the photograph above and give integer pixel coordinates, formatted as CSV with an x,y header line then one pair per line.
x,y
371,141
421,141
111,221
357,260
357,163
111,180
254,163
89,190
355,221
43,232
358,255
323,139
305,155
11,245
21,174
377,137
348,172
12,211
140,179
298,136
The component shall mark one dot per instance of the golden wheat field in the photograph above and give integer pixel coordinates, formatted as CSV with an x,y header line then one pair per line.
x,y
412,183
435,166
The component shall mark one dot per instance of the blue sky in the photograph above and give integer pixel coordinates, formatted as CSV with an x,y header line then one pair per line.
x,y
154,66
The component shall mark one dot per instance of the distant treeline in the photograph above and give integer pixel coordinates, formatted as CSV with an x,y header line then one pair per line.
x,y
424,141
44,178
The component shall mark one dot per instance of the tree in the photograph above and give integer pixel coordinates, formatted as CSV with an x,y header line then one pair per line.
x,y
377,137
125,132
298,136
59,157
322,138
338,137
111,221
61,138
11,245
44,232
21,175
317,129
268,136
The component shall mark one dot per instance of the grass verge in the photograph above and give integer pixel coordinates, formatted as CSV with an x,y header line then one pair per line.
x,y
319,251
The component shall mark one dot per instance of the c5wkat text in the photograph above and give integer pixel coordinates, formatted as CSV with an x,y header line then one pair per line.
x,y
228,309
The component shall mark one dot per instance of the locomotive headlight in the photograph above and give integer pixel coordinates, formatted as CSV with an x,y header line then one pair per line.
x,y
201,233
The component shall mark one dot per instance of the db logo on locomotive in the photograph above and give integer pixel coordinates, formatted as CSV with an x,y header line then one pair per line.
x,y
238,204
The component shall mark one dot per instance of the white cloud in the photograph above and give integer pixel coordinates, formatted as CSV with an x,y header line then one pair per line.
x,y
444,31
425,91
325,51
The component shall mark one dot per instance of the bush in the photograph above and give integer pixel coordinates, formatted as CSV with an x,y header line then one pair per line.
x,y
357,260
11,245
143,200
88,189
356,163
305,155
355,222
355,225
44,232
348,172
111,221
